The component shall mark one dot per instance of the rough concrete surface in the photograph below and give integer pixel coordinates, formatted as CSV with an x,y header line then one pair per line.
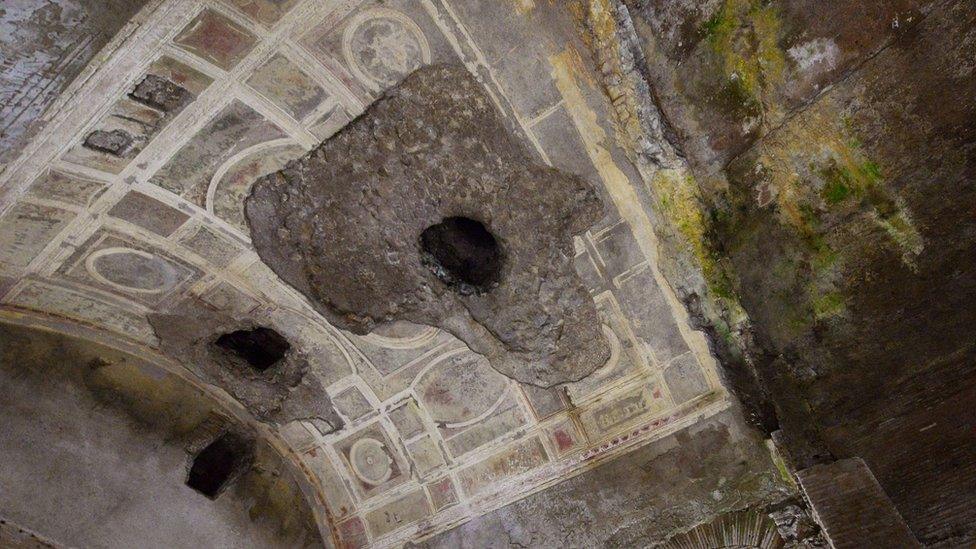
x,y
344,226
280,392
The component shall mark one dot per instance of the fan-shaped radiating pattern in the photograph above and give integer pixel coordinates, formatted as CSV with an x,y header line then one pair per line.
x,y
747,529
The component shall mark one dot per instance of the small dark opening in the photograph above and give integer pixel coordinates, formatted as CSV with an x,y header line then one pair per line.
x,y
216,463
260,347
463,254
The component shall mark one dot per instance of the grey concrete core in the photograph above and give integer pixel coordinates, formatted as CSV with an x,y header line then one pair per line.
x,y
161,94
448,223
254,363
115,142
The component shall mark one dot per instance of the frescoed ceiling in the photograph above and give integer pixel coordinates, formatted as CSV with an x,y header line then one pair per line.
x,y
129,202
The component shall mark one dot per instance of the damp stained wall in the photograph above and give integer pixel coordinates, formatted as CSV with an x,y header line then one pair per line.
x,y
94,455
830,154
44,45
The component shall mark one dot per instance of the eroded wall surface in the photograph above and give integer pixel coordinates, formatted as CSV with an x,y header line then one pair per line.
x,y
831,182
95,454
44,45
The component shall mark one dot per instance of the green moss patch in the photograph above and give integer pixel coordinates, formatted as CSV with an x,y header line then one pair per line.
x,y
744,35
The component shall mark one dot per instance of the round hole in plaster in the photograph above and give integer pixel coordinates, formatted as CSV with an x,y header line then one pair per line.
x,y
260,347
463,253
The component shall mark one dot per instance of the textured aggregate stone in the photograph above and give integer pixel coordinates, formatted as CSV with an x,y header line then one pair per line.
x,y
115,142
160,93
279,393
343,225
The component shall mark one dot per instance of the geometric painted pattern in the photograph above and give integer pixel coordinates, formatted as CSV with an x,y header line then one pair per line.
x,y
131,204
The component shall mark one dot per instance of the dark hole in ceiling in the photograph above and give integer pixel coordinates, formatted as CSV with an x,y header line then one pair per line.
x,y
217,463
463,254
260,347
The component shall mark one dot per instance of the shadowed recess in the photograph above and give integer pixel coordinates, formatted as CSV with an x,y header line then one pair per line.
x,y
217,463
260,347
463,254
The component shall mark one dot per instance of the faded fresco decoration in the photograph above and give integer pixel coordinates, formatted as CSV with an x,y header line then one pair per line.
x,y
142,213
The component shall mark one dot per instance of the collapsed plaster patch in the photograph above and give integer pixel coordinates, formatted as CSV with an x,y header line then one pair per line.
x,y
114,142
255,364
161,94
427,209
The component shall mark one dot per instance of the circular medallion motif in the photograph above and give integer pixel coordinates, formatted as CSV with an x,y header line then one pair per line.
x,y
401,334
370,462
461,387
232,181
383,45
132,270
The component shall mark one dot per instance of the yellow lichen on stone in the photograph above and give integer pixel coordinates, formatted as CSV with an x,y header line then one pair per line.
x,y
596,18
678,197
680,203
902,231
828,304
816,169
819,165
744,34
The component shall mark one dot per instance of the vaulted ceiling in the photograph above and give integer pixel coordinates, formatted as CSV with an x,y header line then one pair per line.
x,y
125,200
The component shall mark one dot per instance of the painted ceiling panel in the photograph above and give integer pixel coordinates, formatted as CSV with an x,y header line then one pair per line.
x,y
142,213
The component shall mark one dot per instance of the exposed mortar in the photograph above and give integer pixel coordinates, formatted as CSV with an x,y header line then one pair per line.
x,y
282,393
344,226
